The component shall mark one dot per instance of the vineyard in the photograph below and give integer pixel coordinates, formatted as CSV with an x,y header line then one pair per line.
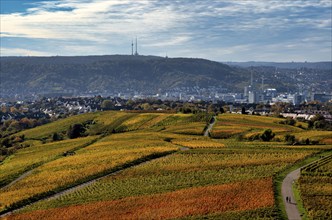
x,y
36,155
167,168
180,203
233,125
316,188
187,170
70,170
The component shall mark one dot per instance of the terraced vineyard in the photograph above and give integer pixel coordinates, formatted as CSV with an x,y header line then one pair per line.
x,y
316,188
186,175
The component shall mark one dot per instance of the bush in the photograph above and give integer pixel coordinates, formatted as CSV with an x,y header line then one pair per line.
x,y
167,139
267,135
6,142
307,141
240,137
75,131
290,139
56,137
288,121
254,137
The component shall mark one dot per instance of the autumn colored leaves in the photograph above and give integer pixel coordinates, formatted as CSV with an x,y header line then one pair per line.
x,y
193,201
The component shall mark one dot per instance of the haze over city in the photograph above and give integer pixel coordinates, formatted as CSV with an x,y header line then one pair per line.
x,y
222,30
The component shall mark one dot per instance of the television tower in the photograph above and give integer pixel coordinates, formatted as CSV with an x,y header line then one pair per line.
x,y
132,47
136,53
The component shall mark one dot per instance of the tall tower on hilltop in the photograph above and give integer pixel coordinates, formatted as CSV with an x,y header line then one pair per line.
x,y
132,47
136,53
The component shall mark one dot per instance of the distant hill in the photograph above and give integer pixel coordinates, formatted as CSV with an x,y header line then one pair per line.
x,y
290,65
147,74
114,73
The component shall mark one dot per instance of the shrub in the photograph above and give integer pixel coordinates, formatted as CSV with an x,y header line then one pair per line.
x,y
56,137
290,139
254,137
167,139
267,135
75,131
288,121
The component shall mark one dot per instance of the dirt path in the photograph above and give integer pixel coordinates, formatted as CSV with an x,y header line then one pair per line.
x,y
206,133
287,191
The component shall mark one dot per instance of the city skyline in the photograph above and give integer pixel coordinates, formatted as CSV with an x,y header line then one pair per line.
x,y
281,31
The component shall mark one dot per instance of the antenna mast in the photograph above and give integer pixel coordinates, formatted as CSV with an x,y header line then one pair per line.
x,y
132,47
136,53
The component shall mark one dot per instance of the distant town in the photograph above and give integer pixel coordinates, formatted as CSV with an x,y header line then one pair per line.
x,y
287,105
57,87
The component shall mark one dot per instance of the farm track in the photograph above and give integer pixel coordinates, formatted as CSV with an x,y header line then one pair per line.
x,y
287,191
82,185
206,133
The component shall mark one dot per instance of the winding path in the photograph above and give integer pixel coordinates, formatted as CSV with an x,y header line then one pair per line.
x,y
207,131
287,191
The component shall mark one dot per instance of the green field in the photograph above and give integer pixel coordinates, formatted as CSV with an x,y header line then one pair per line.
x,y
185,175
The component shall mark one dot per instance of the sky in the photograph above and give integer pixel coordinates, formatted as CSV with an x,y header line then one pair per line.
x,y
220,30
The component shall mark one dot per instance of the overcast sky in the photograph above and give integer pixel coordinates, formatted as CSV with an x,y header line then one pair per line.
x,y
220,30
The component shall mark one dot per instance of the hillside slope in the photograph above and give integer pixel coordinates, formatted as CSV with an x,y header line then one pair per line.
x,y
114,73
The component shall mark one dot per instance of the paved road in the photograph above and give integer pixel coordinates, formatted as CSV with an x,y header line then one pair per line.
x,y
286,190
206,133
